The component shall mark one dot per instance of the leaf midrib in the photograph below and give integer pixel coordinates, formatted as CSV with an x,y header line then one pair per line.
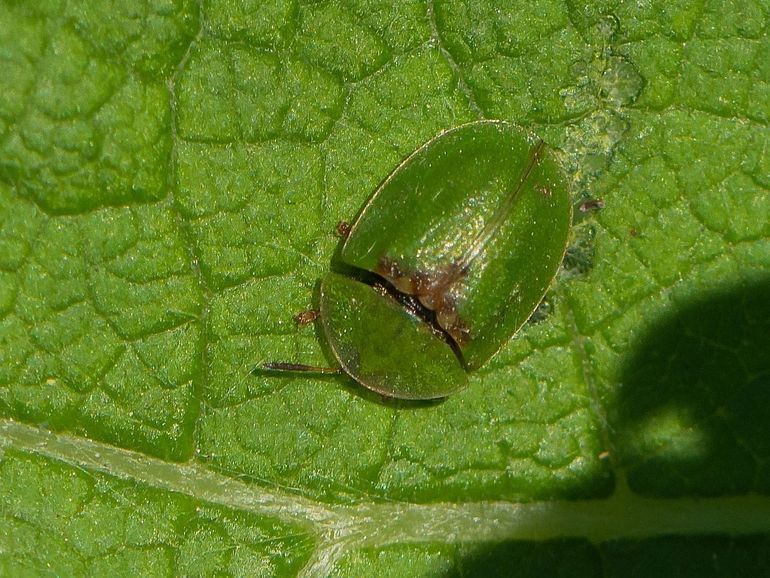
x,y
339,529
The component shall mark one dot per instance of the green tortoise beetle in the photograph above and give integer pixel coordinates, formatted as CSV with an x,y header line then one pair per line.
x,y
464,237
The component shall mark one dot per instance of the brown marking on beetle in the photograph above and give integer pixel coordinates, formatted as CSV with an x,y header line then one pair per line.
x,y
591,205
433,291
342,229
411,304
306,317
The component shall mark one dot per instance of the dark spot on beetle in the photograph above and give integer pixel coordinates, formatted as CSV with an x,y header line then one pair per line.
x,y
306,317
411,304
433,291
590,205
343,229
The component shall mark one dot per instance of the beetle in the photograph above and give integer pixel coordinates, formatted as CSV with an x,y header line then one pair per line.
x,y
462,240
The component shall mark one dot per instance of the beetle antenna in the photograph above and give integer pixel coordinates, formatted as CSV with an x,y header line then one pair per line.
x,y
299,368
498,218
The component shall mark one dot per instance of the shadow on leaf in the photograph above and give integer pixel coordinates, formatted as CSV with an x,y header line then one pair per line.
x,y
524,559
692,416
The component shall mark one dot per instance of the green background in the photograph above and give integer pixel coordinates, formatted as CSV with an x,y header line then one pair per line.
x,y
171,173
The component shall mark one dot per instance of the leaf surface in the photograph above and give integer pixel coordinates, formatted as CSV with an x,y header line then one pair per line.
x,y
171,174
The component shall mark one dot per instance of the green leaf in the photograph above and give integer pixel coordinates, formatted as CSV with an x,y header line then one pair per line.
x,y
171,173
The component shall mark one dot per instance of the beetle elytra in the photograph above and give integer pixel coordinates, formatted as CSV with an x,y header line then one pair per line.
x,y
463,239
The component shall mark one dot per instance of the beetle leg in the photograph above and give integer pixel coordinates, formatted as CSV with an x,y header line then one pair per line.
x,y
342,229
298,368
